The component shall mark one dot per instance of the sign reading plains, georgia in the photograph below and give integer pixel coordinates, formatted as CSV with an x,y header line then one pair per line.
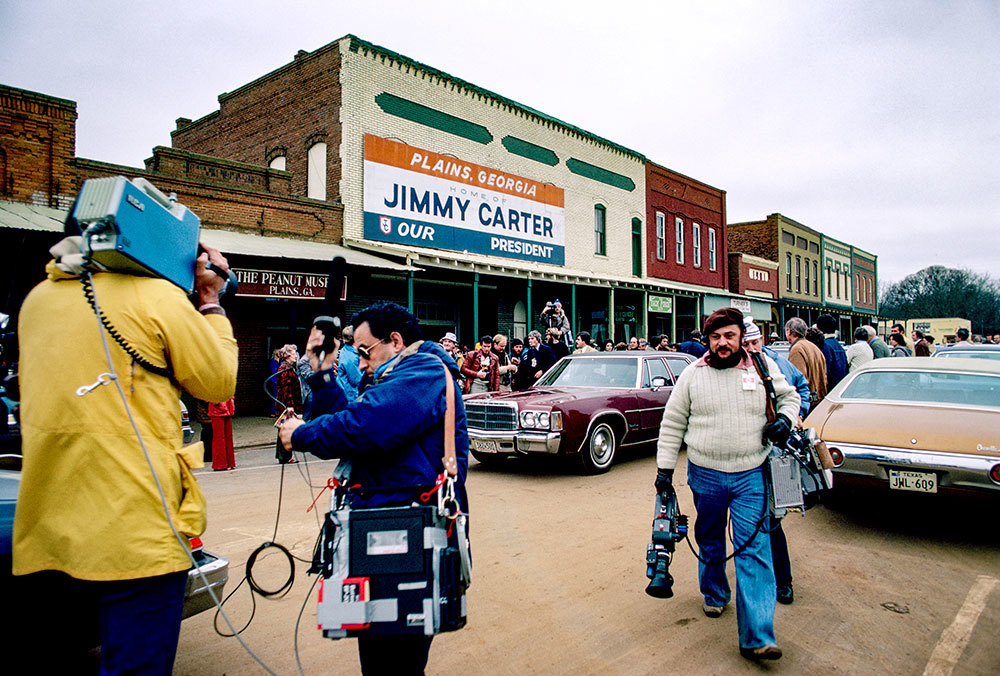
x,y
421,198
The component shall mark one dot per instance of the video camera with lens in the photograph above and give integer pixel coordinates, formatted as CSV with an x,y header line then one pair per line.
x,y
669,528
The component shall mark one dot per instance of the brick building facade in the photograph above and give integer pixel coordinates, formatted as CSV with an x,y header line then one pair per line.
x,y
367,105
815,271
248,210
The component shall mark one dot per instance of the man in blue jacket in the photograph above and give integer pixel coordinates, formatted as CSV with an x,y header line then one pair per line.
x,y
693,345
833,351
392,436
753,342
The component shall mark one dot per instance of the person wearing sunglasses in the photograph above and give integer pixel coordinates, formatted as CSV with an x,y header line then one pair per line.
x,y
391,437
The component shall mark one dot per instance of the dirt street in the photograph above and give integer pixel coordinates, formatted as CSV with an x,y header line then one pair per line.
x,y
897,586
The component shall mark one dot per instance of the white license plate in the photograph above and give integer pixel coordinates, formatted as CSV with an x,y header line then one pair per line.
x,y
922,482
483,445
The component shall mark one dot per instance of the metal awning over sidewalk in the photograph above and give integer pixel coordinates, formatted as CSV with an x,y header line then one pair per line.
x,y
277,247
31,217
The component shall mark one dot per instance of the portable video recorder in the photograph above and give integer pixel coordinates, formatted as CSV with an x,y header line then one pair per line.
x,y
138,230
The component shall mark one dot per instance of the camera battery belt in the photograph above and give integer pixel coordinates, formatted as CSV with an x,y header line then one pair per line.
x,y
395,570
799,473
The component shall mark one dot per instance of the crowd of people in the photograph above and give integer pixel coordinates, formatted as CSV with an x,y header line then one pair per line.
x,y
499,363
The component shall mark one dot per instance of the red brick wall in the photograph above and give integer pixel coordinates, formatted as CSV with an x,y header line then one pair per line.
x,y
284,112
220,203
676,196
757,238
866,268
37,145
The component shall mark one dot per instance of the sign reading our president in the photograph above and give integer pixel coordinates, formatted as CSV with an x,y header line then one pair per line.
x,y
422,198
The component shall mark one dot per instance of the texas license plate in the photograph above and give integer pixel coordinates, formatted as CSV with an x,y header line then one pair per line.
x,y
484,445
921,482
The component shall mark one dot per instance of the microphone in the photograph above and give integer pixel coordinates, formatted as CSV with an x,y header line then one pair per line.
x,y
334,306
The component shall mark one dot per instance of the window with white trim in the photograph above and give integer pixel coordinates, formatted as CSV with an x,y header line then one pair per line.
x,y
788,272
696,244
277,163
712,253
661,235
798,274
679,236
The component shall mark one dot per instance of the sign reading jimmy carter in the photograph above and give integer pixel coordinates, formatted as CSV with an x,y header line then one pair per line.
x,y
421,198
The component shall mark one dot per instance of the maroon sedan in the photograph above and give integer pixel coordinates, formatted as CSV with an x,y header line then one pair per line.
x,y
587,405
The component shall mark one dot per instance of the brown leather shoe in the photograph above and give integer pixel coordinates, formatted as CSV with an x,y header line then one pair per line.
x,y
765,652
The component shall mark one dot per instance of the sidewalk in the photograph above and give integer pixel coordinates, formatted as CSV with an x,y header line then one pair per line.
x,y
249,432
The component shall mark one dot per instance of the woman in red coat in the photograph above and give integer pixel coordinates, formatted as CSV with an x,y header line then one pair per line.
x,y
223,457
289,390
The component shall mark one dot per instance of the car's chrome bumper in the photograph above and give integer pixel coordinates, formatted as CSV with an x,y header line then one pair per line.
x,y
520,441
957,470
196,596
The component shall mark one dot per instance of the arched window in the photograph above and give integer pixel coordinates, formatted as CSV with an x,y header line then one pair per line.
x,y
277,163
316,175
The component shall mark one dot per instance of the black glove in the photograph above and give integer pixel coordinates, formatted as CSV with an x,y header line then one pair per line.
x,y
664,480
778,431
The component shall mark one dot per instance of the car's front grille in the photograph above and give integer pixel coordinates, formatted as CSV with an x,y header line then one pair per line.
x,y
492,417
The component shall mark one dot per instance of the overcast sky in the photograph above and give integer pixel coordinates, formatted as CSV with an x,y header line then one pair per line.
x,y
875,122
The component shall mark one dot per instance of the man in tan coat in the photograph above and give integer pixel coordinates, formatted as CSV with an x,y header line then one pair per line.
x,y
806,357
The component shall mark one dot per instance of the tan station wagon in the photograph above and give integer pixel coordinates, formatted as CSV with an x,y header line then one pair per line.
x,y
916,424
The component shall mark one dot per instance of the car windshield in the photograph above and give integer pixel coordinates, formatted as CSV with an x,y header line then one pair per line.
x,y
973,354
971,389
591,372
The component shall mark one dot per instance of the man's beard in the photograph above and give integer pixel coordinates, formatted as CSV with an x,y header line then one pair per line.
x,y
715,361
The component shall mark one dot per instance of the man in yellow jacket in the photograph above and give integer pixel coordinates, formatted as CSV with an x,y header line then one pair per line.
x,y
90,532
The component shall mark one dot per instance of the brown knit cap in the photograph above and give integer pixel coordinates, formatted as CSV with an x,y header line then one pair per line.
x,y
723,317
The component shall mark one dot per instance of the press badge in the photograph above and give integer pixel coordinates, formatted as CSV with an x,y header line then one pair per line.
x,y
749,381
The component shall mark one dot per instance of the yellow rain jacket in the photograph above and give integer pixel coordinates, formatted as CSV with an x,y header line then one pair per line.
x,y
88,504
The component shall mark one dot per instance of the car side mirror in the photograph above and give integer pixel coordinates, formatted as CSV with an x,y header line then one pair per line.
x,y
658,382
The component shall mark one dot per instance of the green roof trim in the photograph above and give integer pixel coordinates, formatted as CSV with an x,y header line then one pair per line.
x,y
421,114
357,44
530,150
598,174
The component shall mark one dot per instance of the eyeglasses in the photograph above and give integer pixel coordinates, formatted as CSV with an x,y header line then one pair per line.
x,y
365,351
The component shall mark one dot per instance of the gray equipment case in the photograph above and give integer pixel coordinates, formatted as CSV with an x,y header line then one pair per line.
x,y
392,570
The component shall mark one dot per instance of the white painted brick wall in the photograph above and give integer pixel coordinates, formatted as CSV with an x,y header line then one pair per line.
x,y
365,76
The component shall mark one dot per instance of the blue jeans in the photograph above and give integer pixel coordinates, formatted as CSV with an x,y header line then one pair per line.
x,y
137,622
744,496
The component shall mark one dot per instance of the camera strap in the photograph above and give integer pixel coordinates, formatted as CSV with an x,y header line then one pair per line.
x,y
765,375
450,461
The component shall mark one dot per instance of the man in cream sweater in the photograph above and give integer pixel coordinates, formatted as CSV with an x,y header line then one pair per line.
x,y
718,409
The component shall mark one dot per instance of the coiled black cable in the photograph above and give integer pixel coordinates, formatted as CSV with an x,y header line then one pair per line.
x,y
88,292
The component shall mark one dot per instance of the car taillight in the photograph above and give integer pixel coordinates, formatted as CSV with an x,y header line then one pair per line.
x,y
837,456
195,544
995,474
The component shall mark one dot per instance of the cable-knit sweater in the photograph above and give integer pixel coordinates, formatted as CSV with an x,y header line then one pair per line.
x,y
721,422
